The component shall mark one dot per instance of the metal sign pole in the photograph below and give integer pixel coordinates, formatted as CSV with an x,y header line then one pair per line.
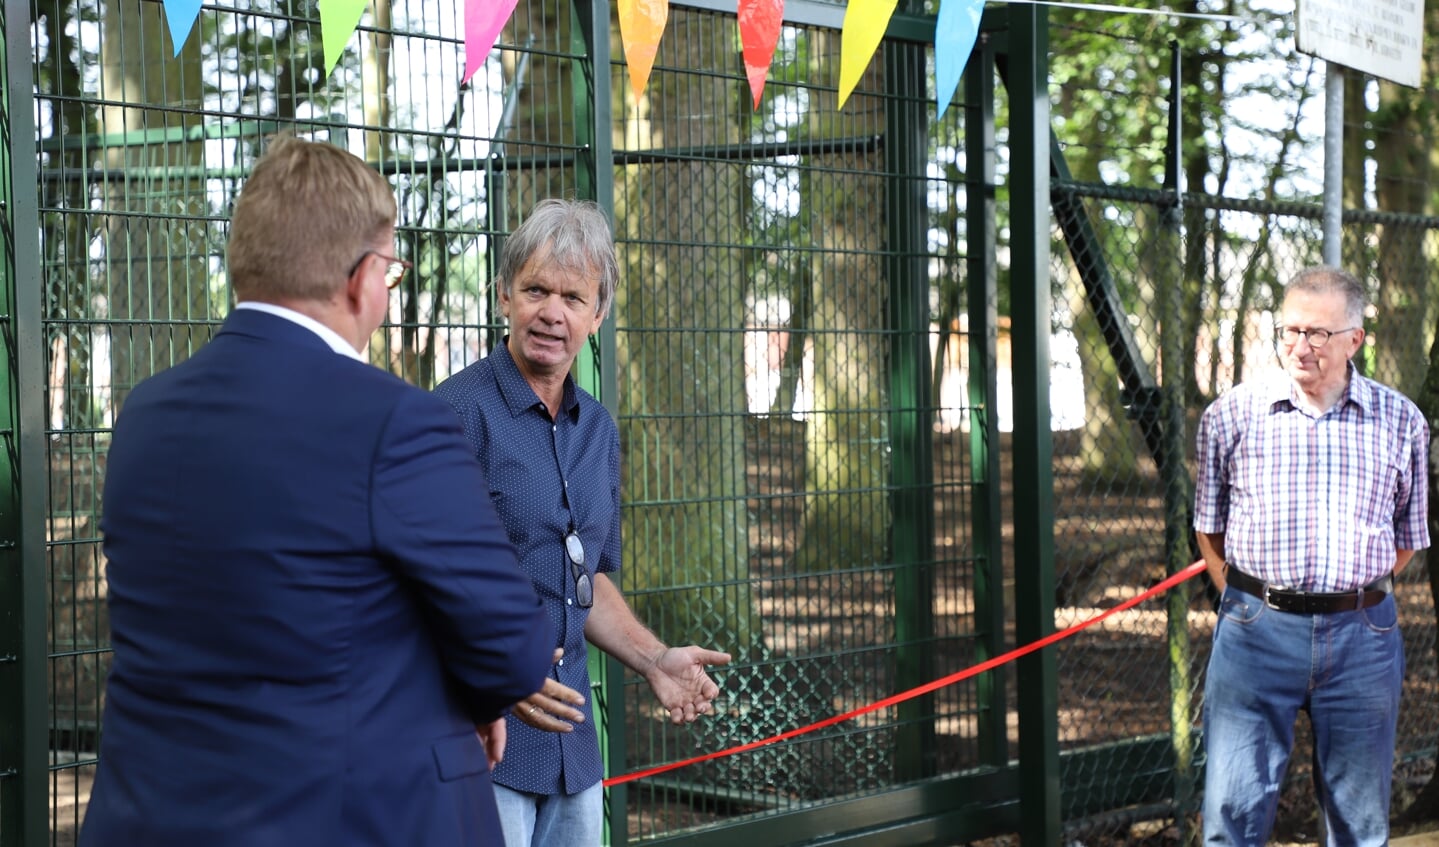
x,y
1333,162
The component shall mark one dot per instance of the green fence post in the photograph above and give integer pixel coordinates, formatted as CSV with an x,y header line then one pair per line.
x,y
591,113
24,733
980,174
1174,475
1033,448
911,408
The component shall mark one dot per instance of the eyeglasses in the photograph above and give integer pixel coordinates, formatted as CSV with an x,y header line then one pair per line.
x,y
1317,338
394,271
584,589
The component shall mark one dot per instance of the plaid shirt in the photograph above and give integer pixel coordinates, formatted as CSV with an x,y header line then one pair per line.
x,y
1315,504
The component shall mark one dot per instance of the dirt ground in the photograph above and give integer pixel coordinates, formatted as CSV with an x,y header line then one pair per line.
x,y
1108,545
1113,678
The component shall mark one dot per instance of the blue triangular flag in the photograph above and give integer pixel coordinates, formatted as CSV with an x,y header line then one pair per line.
x,y
954,33
181,15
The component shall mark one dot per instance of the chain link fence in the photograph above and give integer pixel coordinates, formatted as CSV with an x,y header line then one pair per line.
x,y
1110,513
1225,262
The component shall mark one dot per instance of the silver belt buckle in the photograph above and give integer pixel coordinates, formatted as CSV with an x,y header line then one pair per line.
x,y
1267,601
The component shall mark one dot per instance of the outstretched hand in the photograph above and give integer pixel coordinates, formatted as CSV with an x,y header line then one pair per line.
x,y
678,679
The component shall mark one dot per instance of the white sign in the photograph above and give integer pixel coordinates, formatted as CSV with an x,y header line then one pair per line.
x,y
1379,37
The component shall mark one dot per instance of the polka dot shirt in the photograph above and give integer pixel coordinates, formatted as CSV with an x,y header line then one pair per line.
x,y
547,476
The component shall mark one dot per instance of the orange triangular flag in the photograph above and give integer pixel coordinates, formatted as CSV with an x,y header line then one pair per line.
x,y
642,22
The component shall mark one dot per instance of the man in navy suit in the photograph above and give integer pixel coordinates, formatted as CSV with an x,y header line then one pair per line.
x,y
312,610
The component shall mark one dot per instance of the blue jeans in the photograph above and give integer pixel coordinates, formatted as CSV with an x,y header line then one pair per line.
x,y
1345,669
552,820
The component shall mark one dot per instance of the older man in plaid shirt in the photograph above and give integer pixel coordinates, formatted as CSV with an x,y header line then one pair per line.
x,y
1311,494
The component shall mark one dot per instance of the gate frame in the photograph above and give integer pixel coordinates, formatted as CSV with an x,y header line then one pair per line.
x,y
24,659
925,810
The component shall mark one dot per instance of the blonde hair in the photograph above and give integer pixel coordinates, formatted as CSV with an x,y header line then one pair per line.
x,y
307,213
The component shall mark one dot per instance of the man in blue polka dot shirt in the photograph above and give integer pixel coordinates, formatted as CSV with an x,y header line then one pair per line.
x,y
551,454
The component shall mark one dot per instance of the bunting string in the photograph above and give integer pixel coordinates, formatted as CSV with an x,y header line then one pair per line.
x,y
642,24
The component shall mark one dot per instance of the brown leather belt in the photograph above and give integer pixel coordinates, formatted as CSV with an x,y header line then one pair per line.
x,y
1311,602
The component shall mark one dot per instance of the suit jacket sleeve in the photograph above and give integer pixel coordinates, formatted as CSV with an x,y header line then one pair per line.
x,y
431,513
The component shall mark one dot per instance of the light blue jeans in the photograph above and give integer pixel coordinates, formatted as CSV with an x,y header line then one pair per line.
x,y
1345,669
552,820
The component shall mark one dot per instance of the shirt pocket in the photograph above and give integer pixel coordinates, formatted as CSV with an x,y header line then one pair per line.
x,y
1373,473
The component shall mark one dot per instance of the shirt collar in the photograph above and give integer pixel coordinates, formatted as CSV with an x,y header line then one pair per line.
x,y
518,394
330,337
1359,391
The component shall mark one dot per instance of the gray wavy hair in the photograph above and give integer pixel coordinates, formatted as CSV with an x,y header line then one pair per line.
x,y
1326,279
577,236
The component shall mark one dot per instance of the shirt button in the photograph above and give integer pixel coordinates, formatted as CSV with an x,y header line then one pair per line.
x,y
569,602
562,662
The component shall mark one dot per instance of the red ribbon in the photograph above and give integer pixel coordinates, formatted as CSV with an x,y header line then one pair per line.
x,y
1190,571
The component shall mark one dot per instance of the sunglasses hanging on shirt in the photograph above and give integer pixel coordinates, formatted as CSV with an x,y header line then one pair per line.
x,y
584,588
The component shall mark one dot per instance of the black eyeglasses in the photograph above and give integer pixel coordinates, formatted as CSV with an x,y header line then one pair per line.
x,y
584,589
1317,338
394,270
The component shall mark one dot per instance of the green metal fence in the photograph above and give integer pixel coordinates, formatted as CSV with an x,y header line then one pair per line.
x,y
846,390
1112,512
1129,266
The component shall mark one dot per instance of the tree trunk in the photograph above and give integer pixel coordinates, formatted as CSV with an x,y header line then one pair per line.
x,y
1107,451
801,311
1426,805
846,518
66,234
1107,439
156,274
684,404
74,574
1402,274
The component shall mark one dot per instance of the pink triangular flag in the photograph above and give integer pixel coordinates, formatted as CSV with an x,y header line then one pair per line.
x,y
483,21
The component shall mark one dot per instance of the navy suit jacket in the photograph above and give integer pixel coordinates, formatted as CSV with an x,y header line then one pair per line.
x,y
311,606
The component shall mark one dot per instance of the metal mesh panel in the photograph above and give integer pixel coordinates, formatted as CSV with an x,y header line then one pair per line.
x,y
1107,506
756,411
141,157
127,231
743,326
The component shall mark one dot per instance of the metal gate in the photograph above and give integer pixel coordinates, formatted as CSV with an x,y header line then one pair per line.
x,y
793,491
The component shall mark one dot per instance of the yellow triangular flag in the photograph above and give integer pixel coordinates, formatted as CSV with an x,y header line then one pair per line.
x,y
864,24
338,19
